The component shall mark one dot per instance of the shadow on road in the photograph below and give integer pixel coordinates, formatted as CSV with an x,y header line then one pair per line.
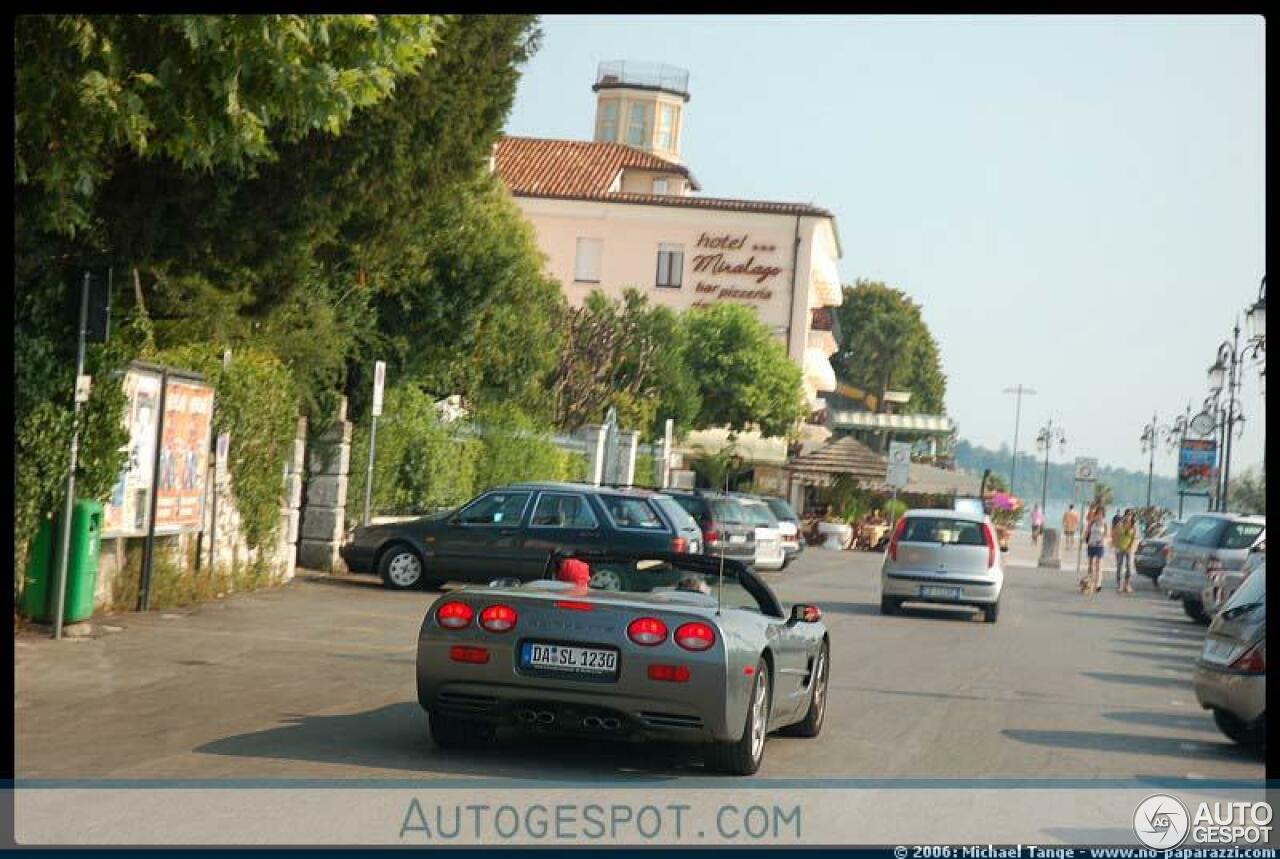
x,y
1133,744
1172,659
1190,645
1140,679
1177,721
395,737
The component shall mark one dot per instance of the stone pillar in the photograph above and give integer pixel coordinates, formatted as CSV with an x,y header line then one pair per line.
x,y
661,454
291,514
628,444
1049,549
324,513
594,435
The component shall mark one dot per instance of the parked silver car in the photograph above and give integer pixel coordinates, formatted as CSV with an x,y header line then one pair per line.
x,y
1207,540
1224,583
770,554
942,556
1231,673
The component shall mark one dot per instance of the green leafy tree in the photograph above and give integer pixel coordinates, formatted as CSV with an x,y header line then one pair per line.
x,y
886,345
744,377
200,91
1248,492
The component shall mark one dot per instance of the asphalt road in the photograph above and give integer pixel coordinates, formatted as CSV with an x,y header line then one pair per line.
x,y
315,680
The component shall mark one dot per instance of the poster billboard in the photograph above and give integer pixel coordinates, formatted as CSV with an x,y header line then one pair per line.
x,y
1197,465
184,456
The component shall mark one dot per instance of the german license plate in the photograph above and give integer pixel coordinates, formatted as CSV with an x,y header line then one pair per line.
x,y
569,658
1219,651
941,593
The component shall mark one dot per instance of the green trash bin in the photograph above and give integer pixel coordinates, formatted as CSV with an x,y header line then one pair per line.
x,y
38,596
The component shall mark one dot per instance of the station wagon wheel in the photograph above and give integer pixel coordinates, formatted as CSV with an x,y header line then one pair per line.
x,y
401,568
606,580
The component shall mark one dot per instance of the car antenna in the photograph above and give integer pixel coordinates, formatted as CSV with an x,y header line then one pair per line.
x,y
720,580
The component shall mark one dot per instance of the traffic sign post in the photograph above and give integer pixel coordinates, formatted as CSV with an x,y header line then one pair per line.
x,y
379,379
1086,475
899,470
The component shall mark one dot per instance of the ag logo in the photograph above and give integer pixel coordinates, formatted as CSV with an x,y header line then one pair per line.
x,y
1161,822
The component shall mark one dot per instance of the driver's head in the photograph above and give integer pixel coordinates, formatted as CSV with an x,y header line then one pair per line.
x,y
574,571
694,583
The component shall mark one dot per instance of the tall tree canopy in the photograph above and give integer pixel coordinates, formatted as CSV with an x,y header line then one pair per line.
x,y
886,345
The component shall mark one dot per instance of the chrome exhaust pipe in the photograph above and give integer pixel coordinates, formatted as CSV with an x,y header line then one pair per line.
x,y
526,716
545,717
611,724
592,722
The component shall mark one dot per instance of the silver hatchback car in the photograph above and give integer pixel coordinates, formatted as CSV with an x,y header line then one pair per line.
x,y
1231,673
1218,540
942,556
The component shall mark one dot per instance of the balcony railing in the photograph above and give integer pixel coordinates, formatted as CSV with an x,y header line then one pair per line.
x,y
649,75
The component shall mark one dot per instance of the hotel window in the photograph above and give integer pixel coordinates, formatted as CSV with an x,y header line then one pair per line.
x,y
670,266
586,267
659,186
636,131
666,127
609,121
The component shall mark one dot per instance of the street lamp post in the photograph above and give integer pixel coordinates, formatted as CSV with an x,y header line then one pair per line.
x,y
1017,419
1151,435
1045,438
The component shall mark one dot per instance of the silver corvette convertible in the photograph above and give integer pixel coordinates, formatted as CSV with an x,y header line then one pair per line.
x,y
679,648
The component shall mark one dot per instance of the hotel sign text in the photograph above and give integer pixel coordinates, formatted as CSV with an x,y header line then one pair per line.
x,y
718,260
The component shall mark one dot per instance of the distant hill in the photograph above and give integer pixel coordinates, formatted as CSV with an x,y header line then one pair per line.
x,y
1129,487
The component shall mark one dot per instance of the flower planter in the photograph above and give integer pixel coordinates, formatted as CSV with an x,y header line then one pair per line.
x,y
835,535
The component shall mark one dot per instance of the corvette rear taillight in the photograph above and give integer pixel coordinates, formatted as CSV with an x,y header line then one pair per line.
x,y
669,673
695,636
1254,660
454,615
679,546
897,535
498,618
647,631
474,655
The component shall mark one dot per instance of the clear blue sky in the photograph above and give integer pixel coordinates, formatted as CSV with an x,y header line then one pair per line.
x,y
1078,203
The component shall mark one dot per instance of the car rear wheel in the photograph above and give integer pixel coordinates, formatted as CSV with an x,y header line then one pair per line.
x,y
811,724
1195,611
401,568
450,732
1237,730
890,605
991,612
743,756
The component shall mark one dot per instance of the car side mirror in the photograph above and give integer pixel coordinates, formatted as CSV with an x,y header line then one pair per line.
x,y
801,613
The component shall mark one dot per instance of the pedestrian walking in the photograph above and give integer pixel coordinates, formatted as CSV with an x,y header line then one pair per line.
x,y
1095,540
1037,524
1123,539
1070,522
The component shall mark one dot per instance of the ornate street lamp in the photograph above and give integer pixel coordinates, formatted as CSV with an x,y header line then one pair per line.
x,y
1151,435
1044,439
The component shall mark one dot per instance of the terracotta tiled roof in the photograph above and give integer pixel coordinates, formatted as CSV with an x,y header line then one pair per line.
x,y
581,170
534,166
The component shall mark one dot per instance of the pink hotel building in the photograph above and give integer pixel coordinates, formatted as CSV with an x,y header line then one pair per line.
x,y
620,211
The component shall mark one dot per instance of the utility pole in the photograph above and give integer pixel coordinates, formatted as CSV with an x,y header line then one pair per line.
x,y
60,585
1017,420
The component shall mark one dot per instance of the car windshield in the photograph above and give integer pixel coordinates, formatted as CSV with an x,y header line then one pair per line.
x,y
1201,531
928,529
761,516
696,584
1254,590
1240,535
782,510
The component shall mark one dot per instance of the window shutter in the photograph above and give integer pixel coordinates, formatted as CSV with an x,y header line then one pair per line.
x,y
587,266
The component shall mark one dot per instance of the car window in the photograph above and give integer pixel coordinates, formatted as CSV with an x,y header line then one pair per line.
x,y
676,513
1201,531
562,510
782,510
655,576
1240,535
632,512
927,529
761,516
728,512
1253,590
694,505
496,508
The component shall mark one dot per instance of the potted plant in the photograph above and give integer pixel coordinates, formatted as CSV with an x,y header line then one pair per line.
x,y
843,505
1005,511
